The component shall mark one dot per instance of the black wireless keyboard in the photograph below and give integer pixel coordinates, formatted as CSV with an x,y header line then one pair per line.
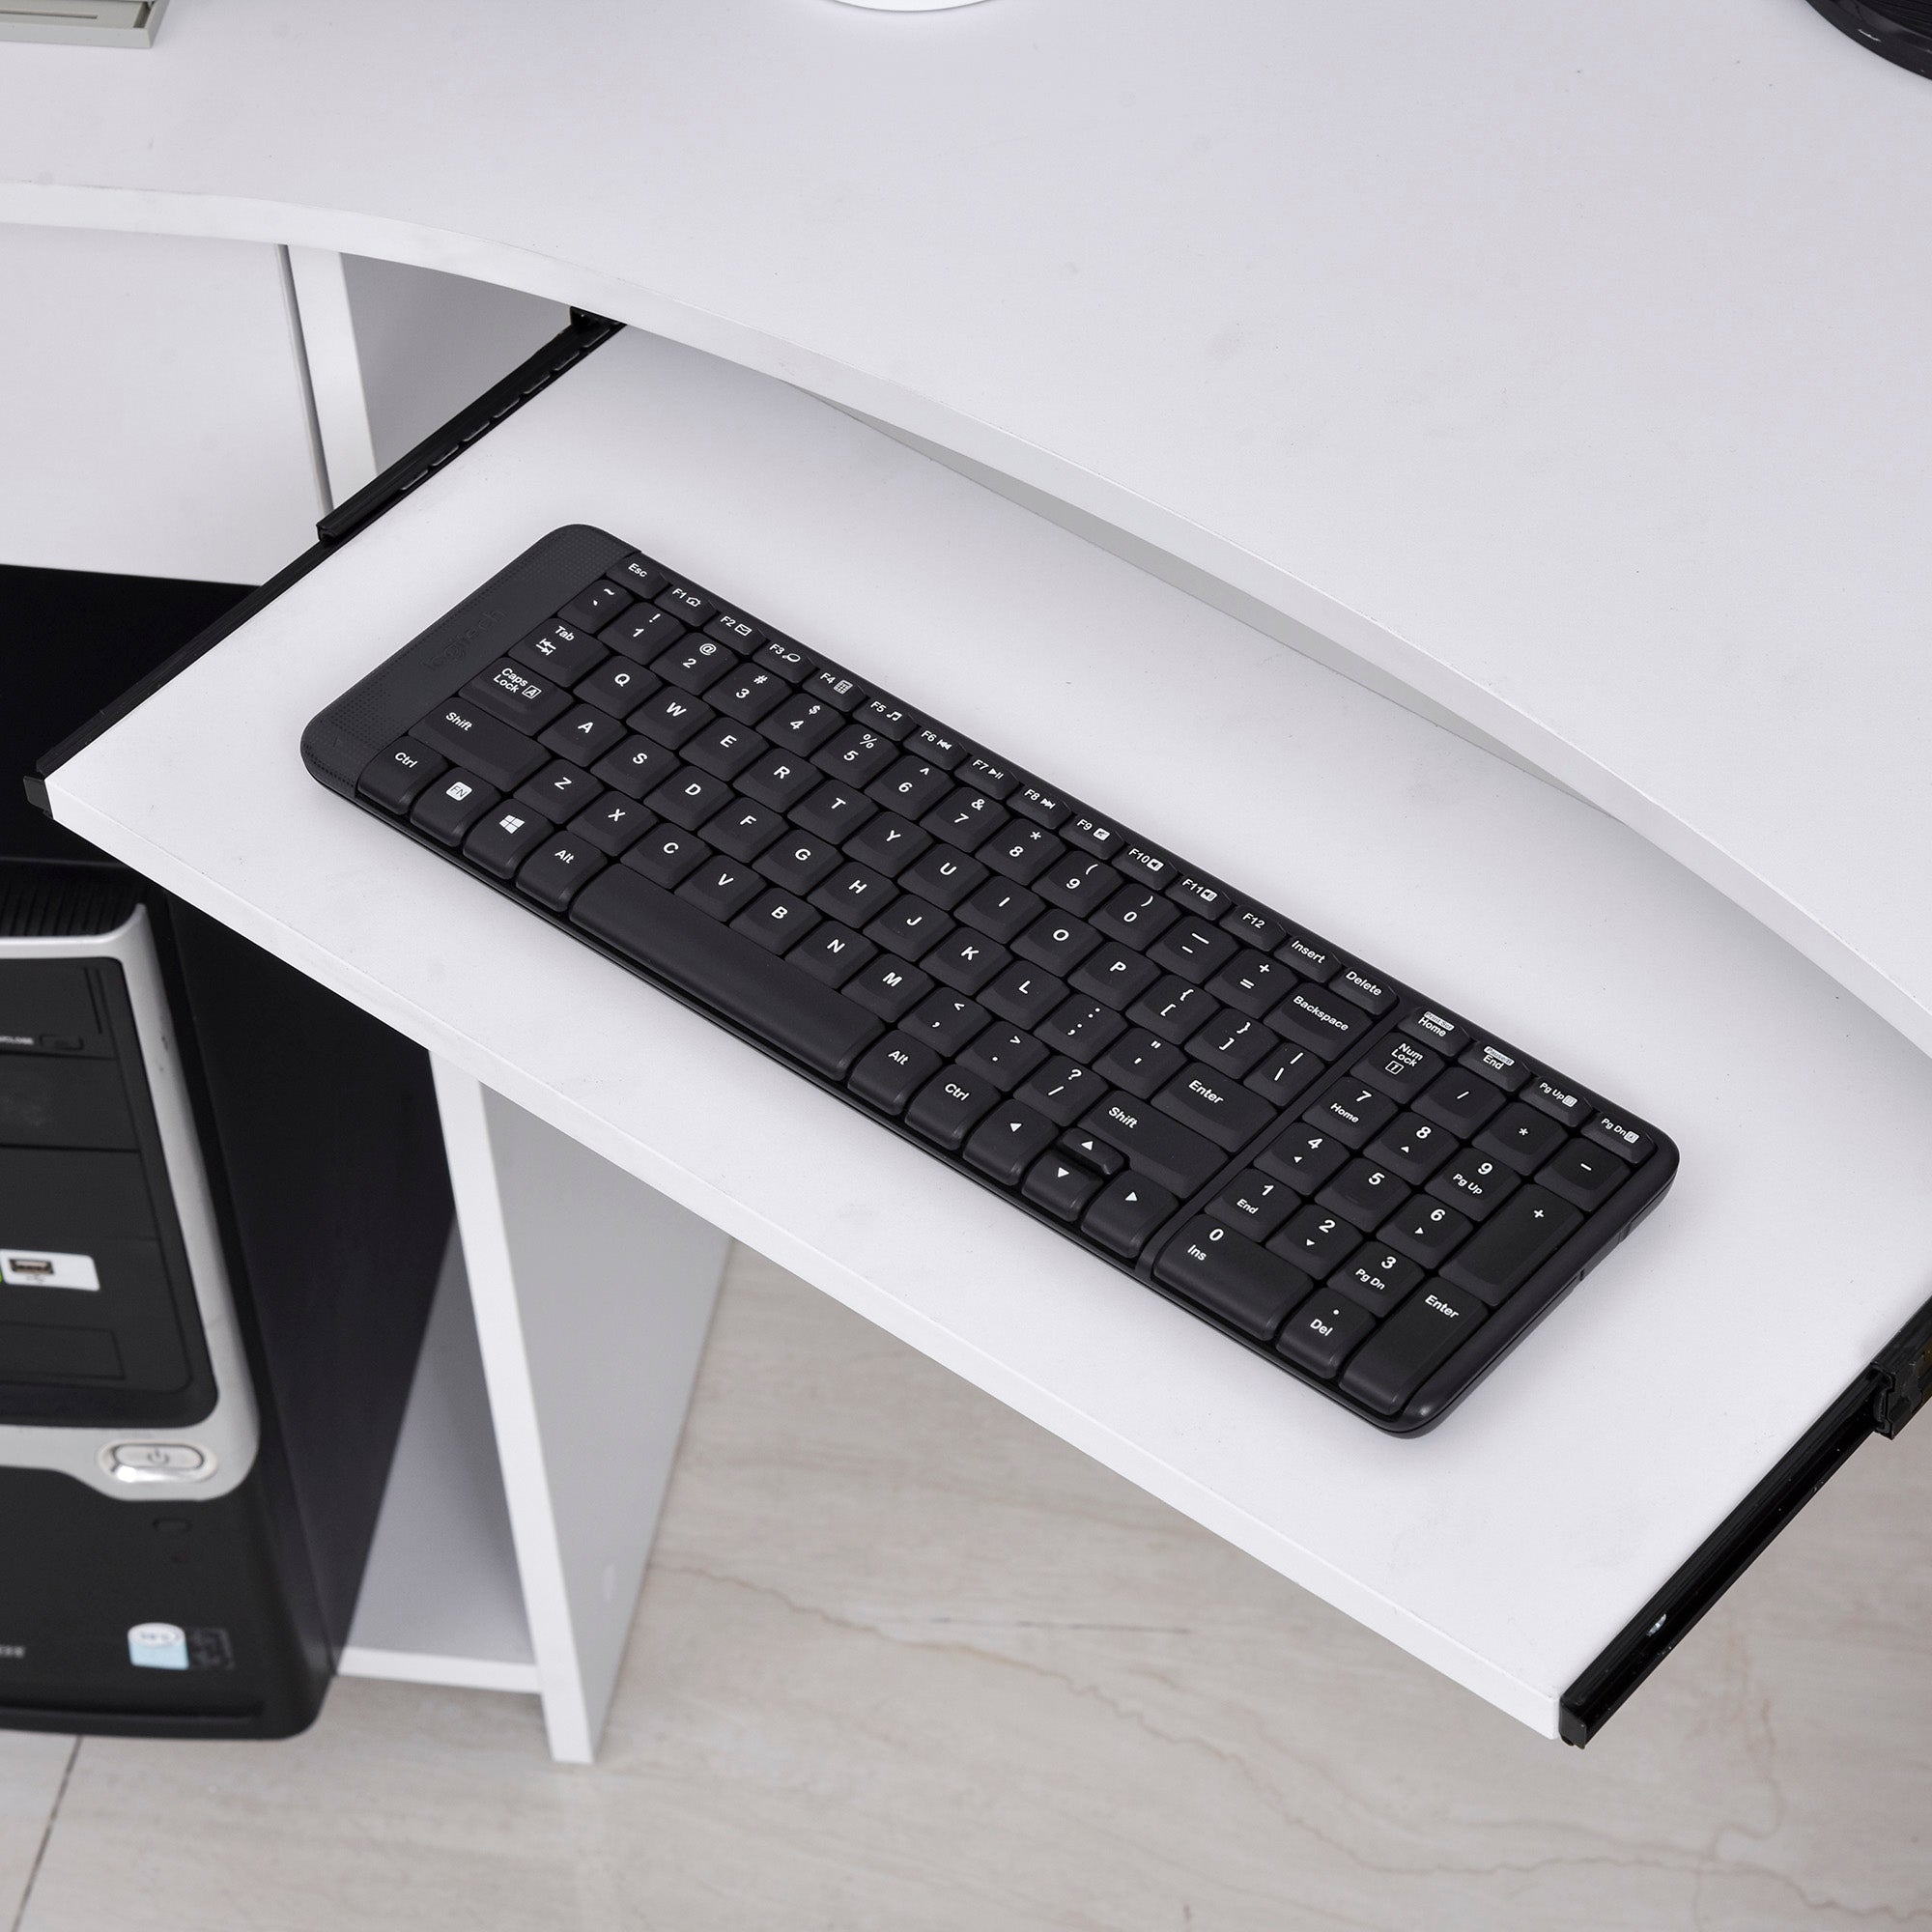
x,y
1364,1188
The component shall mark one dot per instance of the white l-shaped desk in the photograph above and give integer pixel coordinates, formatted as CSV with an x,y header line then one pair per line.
x,y
1525,374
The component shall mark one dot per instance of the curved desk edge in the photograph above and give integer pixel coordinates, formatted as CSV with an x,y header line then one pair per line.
x,y
1133,527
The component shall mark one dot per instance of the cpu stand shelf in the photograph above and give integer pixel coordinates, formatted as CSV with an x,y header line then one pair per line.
x,y
1511,1549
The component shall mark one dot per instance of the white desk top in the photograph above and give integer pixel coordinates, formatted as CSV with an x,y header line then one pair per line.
x,y
1566,363
1506,1547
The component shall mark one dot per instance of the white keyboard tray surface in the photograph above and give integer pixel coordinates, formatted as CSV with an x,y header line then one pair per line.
x,y
1507,1547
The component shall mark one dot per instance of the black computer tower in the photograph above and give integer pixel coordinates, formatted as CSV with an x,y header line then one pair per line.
x,y
224,1209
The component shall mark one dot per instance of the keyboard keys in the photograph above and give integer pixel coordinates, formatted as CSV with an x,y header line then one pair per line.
x,y
1355,1114
965,818
642,633
1373,994
395,777
1255,1204
670,718
618,688
1091,1152
1062,1089
1141,1062
742,830
1079,884
1243,1284
1315,1240
1004,1054
799,863
1424,1231
478,743
1174,1155
1303,1156
1313,1018
636,767
888,986
722,886
689,797
1056,941
582,736
1021,852
1059,1006
1409,1347
1199,1098
1412,1147
1006,1141
834,810
833,953
1521,1137
1063,1187
502,840
524,700
1173,1008
1022,993
1364,1193
889,844
723,748
1322,1335
950,1106
1516,1241
893,1071
1583,1175
732,973
1399,1068
776,921
908,926
558,871
1449,1037
964,960
1125,1213
1376,1278
999,910
940,873
946,1020
1137,917
448,806
1251,982
1253,927
912,786
1283,1074
665,854
1621,1138
1459,1100
592,609
560,652
1508,1071
1193,949
1475,1184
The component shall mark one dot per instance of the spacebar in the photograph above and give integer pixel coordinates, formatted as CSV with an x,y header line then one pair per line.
x,y
724,970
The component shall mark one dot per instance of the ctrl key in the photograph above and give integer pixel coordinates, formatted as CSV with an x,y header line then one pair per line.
x,y
394,779
1410,1345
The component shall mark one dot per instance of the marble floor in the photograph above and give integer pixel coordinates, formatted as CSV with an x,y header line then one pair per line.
x,y
903,1661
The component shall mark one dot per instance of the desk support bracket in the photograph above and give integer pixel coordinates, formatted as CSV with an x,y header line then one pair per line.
x,y
1883,1399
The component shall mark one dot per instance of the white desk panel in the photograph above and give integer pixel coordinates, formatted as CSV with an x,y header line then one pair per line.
x,y
1504,1549
1564,365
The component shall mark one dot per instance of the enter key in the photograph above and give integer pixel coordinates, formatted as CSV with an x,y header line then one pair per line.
x,y
1526,1231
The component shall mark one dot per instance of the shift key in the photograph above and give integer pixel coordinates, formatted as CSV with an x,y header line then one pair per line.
x,y
458,731
1181,1161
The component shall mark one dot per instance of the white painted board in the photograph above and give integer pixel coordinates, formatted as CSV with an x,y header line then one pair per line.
x,y
1506,1547
151,412
1562,367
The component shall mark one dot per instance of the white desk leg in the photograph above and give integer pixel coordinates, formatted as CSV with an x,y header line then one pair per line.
x,y
592,1294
